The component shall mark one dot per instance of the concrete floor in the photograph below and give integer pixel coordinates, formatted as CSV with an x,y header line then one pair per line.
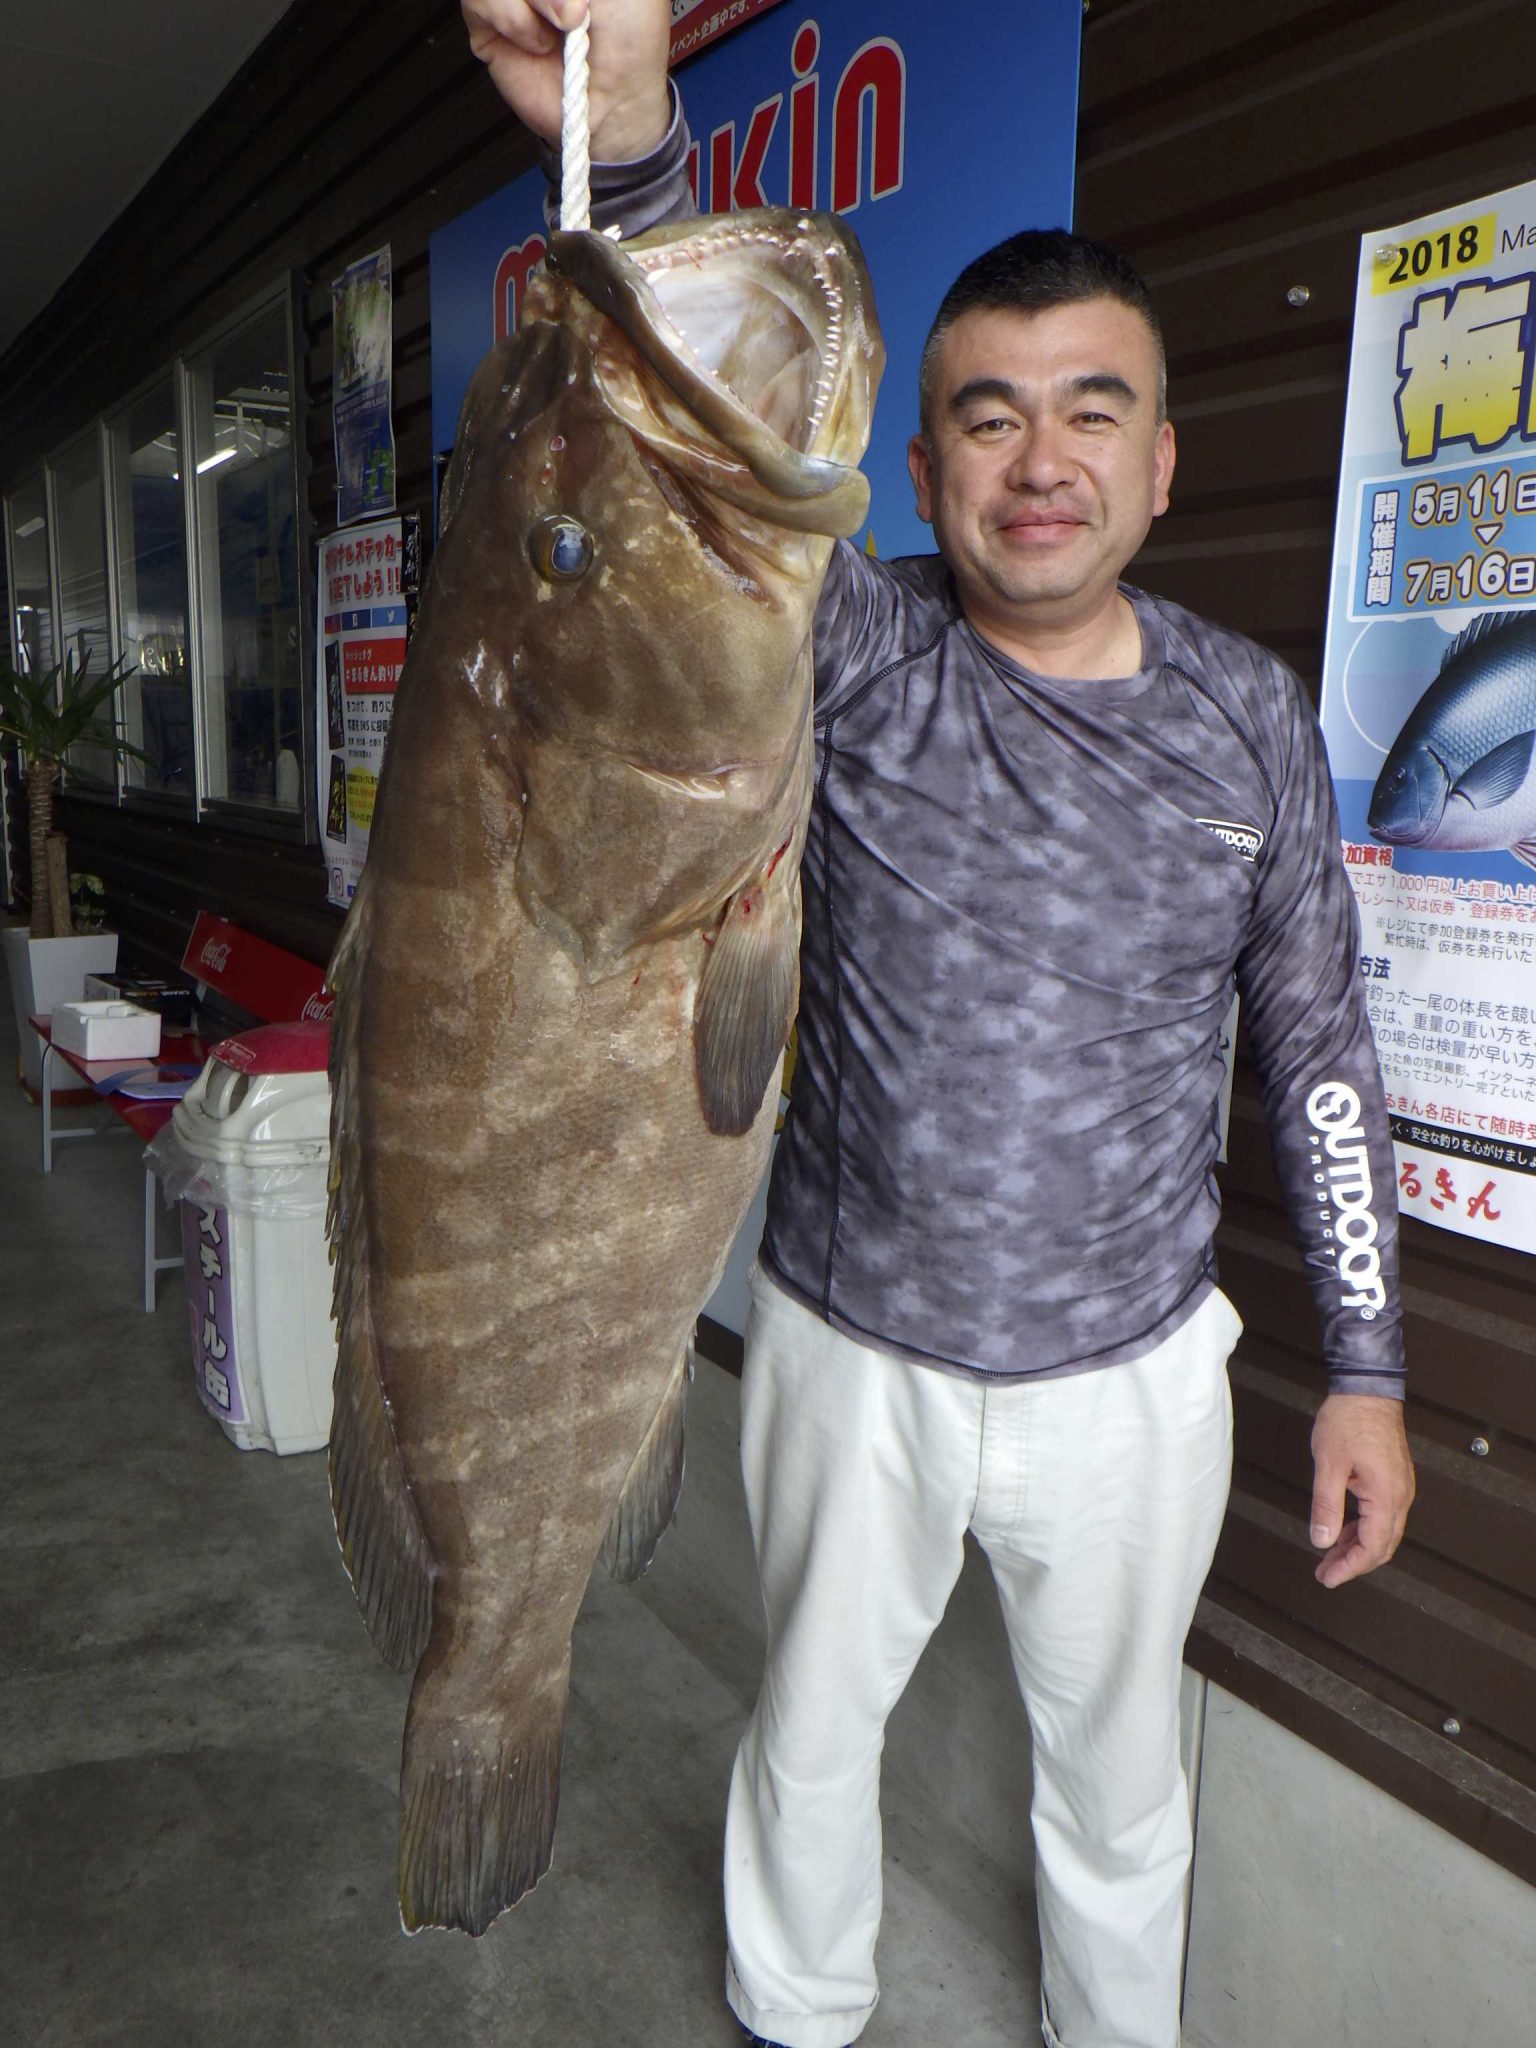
x,y
198,1746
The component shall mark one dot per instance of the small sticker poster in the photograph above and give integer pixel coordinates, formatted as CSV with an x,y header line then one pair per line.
x,y
1429,700
362,328
697,23
368,585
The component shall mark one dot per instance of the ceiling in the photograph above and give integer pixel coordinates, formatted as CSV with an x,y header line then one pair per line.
x,y
93,97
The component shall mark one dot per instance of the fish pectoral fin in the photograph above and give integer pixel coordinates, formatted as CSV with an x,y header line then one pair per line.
x,y
1496,777
651,1488
746,1001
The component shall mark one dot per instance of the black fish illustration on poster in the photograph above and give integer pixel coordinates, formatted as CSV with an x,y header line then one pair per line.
x,y
1462,772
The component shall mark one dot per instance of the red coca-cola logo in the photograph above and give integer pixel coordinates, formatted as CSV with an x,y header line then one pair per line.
x,y
215,955
234,1052
318,1008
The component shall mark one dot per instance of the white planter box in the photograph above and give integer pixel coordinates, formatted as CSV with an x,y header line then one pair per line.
x,y
45,973
106,1031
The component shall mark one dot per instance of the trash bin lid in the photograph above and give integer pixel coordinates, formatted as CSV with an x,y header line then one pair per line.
x,y
302,1048
262,1099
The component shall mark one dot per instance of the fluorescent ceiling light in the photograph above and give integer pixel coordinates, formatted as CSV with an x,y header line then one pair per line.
x,y
32,526
212,461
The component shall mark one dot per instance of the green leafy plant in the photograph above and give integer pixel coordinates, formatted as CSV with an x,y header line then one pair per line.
x,y
46,715
87,902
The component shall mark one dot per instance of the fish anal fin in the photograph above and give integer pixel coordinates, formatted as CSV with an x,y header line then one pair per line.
x,y
746,1000
1525,851
382,1544
1496,777
655,1479
477,1814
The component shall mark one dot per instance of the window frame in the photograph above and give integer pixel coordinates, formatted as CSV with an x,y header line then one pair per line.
x,y
163,801
12,622
70,785
299,826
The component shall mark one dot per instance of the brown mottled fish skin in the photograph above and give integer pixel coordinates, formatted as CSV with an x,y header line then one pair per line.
x,y
567,977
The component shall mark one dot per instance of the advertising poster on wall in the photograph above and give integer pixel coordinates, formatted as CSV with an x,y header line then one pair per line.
x,y
368,585
362,329
1429,700
875,110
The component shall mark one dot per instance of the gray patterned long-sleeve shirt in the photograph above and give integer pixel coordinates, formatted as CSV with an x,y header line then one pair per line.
x,y
1027,902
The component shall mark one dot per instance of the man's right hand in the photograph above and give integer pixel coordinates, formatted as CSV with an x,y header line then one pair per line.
x,y
520,42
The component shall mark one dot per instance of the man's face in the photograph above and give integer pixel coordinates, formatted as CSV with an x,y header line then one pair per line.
x,y
1044,464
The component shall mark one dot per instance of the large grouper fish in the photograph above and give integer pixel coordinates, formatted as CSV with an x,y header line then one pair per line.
x,y
566,980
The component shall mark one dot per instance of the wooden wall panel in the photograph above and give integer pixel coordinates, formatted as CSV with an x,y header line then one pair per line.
x,y
1233,154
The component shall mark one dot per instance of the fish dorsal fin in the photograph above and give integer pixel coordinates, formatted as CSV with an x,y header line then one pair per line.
x,y
746,1002
1496,777
1480,628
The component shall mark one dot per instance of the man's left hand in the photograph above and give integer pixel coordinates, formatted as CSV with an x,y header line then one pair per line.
x,y
1359,1444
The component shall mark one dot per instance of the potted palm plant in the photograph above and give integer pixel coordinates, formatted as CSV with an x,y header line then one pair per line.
x,y
46,715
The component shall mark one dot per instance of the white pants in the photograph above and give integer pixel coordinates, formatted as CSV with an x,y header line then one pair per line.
x,y
1098,1499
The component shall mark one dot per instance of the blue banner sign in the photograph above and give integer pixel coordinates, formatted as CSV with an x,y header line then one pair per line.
x,y
931,145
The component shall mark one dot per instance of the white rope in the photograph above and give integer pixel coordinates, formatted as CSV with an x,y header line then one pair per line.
x,y
575,139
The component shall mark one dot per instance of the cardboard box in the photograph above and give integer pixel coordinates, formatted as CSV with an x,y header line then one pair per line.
x,y
172,999
106,1031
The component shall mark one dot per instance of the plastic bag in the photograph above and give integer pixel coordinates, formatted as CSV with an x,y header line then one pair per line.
x,y
278,1191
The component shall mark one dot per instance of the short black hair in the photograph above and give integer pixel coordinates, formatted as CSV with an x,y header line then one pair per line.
x,y
1029,272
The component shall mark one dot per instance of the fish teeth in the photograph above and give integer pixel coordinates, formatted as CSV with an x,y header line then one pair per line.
x,y
818,259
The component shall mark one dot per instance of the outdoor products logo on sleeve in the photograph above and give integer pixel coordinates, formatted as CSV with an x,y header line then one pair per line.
x,y
1246,841
1341,1173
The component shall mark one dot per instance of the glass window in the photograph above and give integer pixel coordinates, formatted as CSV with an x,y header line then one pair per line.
x,y
32,597
240,424
80,550
151,538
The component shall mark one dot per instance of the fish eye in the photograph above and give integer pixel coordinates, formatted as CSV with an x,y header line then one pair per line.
x,y
560,548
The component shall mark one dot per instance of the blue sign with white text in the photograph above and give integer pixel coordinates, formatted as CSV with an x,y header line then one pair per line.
x,y
931,146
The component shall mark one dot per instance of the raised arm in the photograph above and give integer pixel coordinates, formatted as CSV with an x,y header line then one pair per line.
x,y
520,44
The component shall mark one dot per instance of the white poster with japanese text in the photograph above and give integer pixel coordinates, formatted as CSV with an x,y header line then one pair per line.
x,y
1429,700
368,585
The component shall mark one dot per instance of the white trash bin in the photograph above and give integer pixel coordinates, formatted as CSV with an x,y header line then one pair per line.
x,y
246,1154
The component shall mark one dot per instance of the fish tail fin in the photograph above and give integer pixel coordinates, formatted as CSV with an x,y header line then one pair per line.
x,y
649,1499
747,996
382,1544
477,1813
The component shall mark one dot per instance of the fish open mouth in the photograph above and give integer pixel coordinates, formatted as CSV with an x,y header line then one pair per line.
x,y
760,310
752,356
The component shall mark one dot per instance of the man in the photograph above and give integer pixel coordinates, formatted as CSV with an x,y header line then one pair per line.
x,y
1056,820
